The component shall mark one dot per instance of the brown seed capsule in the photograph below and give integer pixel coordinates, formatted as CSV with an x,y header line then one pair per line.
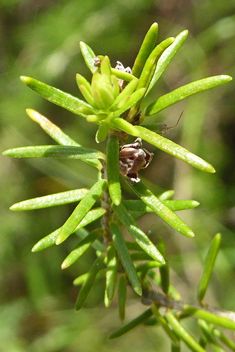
x,y
132,158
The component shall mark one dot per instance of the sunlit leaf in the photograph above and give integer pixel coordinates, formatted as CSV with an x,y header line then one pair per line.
x,y
80,248
113,169
145,49
50,239
88,56
140,237
160,209
51,200
167,56
184,92
81,210
56,96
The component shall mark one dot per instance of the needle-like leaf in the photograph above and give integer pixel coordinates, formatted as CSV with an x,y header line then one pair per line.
x,y
160,209
113,169
51,200
56,96
125,257
86,287
81,210
208,267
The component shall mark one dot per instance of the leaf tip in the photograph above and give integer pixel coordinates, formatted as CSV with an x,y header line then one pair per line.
x,y
24,79
63,265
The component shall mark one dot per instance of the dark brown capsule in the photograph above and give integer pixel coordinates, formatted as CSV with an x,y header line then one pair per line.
x,y
132,158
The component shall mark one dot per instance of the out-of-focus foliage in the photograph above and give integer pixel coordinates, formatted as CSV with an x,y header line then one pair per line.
x,y
41,39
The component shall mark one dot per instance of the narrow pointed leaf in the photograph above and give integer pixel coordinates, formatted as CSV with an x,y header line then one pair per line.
x,y
160,209
81,210
57,134
132,324
51,129
164,324
183,334
164,269
184,92
210,317
82,278
112,155
111,274
208,267
50,239
174,205
208,333
127,77
140,237
145,49
88,56
151,63
56,96
51,200
172,148
122,296
223,338
167,56
125,257
86,287
54,151
80,249
148,71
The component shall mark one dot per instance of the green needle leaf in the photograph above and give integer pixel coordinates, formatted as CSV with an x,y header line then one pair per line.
x,y
184,92
56,96
88,56
164,269
132,324
51,200
86,287
174,205
160,209
125,257
81,210
224,339
54,151
182,333
113,169
140,237
164,324
57,134
51,129
50,239
209,265
122,296
80,249
172,148
111,274
210,317
167,56
145,49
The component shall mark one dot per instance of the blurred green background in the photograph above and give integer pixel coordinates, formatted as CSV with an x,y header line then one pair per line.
x,y
40,38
